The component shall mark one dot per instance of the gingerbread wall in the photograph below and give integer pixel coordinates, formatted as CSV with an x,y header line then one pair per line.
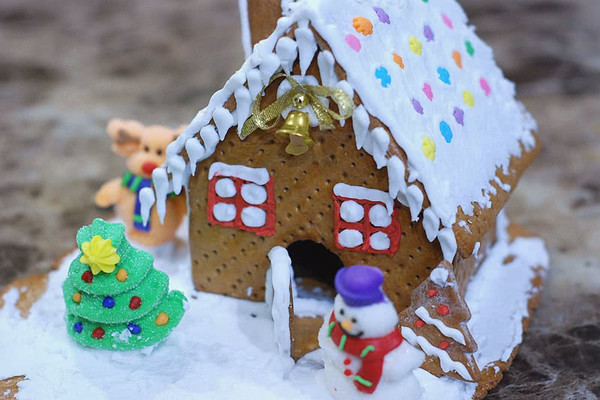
x,y
229,261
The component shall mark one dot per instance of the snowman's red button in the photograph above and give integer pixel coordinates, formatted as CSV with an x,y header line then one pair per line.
x,y
347,372
347,361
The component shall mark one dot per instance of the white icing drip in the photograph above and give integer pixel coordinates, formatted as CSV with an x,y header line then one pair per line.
x,y
415,201
254,217
210,137
243,107
448,243
223,120
307,47
326,64
254,194
378,216
380,241
269,65
439,276
363,193
381,142
254,82
350,238
446,362
281,277
287,51
431,224
360,124
447,331
176,166
224,212
351,211
195,152
260,176
162,188
147,200
396,182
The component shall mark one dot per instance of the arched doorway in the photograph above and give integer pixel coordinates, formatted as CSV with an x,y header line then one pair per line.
x,y
314,268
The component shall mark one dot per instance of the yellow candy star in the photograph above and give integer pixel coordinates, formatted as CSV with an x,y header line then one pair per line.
x,y
415,45
100,255
429,148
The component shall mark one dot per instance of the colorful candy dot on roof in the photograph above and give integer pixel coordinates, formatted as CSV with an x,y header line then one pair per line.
x,y
444,75
485,86
108,302
419,323
415,45
459,116
457,58
446,131
444,345
443,310
447,21
362,25
470,48
428,32
98,333
398,60
428,91
382,15
425,1
417,106
468,98
382,74
353,42
428,148
135,303
134,329
87,277
78,327
431,292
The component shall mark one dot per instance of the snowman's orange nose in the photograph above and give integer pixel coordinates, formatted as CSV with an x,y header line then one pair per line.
x,y
347,325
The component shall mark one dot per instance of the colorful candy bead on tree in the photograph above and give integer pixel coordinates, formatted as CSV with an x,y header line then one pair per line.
x,y
115,299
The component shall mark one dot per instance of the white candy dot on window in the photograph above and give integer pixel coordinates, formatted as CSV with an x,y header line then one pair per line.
x,y
380,241
254,194
224,212
350,238
254,217
351,211
378,216
225,188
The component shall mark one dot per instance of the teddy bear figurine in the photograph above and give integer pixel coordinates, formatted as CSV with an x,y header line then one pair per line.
x,y
144,148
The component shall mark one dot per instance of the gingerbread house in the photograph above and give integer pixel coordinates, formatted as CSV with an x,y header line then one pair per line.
x,y
416,175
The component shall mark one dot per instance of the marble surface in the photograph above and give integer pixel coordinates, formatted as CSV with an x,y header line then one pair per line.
x,y
68,66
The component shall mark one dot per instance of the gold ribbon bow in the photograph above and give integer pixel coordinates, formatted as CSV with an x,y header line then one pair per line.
x,y
299,96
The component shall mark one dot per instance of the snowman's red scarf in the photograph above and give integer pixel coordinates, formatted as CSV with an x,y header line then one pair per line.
x,y
371,352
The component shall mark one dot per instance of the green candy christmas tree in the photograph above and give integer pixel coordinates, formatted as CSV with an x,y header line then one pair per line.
x,y
115,299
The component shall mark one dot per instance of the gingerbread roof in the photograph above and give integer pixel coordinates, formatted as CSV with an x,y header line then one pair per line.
x,y
451,121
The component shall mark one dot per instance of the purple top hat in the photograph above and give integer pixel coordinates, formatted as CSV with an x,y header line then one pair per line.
x,y
360,285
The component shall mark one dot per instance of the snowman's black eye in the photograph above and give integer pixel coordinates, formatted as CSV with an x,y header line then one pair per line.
x,y
341,311
353,320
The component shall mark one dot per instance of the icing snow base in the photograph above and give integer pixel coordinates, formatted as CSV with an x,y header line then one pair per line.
x,y
225,348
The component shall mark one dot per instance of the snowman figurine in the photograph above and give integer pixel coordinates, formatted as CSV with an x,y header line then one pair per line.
x,y
364,353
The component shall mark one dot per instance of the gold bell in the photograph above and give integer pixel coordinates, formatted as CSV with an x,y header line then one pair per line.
x,y
296,126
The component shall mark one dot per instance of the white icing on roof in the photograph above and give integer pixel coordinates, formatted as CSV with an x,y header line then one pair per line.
x,y
411,96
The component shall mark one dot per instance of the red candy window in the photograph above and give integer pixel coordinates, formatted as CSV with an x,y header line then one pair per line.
x,y
241,197
363,222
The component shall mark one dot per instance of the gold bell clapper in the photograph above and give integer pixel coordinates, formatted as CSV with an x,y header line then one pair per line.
x,y
296,127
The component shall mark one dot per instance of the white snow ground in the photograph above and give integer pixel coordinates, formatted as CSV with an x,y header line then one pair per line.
x,y
224,348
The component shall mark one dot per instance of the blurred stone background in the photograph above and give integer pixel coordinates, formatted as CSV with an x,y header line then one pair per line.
x,y
67,66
